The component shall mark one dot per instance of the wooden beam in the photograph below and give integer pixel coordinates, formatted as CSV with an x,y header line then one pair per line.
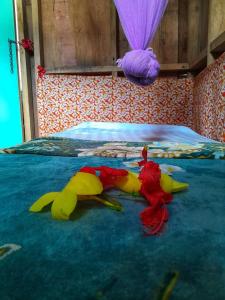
x,y
198,11
165,42
200,61
25,75
109,69
175,67
37,36
38,51
218,45
182,30
114,36
113,31
203,25
74,70
193,29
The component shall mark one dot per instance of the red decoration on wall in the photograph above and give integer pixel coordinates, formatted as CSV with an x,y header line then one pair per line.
x,y
41,71
27,45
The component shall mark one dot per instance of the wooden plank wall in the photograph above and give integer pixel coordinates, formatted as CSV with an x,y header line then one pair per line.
x,y
170,41
198,28
216,28
78,33
206,32
87,33
24,75
166,41
87,36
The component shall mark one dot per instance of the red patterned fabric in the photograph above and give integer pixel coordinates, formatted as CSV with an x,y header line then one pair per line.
x,y
66,100
209,100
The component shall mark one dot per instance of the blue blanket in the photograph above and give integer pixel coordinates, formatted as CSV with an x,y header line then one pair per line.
x,y
101,253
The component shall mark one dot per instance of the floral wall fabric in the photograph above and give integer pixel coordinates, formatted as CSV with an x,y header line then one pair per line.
x,y
209,100
67,100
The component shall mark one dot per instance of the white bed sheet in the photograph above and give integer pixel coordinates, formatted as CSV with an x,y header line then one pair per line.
x,y
131,132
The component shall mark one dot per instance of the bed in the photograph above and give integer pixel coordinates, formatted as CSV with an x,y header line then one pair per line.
x,y
101,253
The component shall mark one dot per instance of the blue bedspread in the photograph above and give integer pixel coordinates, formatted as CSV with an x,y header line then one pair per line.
x,y
101,253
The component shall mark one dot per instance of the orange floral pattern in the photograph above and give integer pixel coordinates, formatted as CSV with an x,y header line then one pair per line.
x,y
209,100
67,100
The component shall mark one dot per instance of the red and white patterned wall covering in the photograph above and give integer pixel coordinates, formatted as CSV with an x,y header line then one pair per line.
x,y
66,100
209,100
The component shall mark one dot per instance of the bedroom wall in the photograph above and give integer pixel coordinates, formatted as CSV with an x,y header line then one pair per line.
x,y
70,26
66,100
209,100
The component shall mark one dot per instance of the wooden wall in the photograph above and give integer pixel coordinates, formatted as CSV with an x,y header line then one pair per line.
x,y
78,33
170,41
216,18
198,28
87,36
87,33
216,33
206,32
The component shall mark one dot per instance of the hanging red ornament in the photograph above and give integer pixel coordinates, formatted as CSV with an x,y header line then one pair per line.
x,y
27,45
41,71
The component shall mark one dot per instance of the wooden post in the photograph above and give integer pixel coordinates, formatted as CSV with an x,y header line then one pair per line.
x,y
37,36
210,58
114,36
38,49
197,33
25,76
182,30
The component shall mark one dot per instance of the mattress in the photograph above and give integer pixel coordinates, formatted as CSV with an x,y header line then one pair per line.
x,y
131,132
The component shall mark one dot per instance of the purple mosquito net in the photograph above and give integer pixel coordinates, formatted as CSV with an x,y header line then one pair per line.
x,y
140,19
